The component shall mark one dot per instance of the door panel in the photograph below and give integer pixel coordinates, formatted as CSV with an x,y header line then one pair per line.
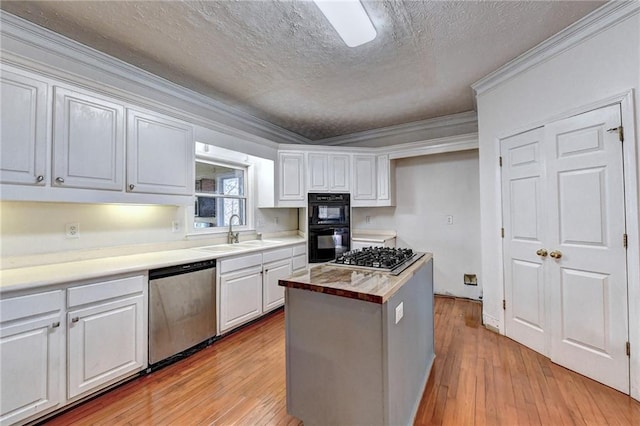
x,y
582,213
523,213
525,194
584,302
528,300
588,284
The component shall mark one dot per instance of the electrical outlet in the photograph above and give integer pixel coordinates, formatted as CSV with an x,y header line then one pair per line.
x,y
449,220
399,312
72,230
276,220
175,226
470,279
367,219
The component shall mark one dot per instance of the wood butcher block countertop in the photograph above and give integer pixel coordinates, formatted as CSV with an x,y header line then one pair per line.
x,y
371,286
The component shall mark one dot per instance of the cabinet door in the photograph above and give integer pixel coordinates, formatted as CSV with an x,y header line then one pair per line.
x,y
384,181
318,172
273,294
240,297
160,155
291,177
339,172
88,141
299,259
23,129
32,354
364,179
106,342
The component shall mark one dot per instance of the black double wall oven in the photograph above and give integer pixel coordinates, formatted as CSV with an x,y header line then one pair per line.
x,y
329,223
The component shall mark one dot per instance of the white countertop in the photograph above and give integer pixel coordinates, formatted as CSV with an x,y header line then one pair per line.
x,y
82,270
371,237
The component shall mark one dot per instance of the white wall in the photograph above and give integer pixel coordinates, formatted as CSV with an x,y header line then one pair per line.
x,y
428,189
599,67
29,228
276,220
32,228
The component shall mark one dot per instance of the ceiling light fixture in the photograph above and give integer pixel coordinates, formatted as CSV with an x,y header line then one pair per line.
x,y
349,19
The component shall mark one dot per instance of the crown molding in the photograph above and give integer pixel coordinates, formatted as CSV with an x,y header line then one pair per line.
x,y
26,43
397,131
433,146
592,24
404,150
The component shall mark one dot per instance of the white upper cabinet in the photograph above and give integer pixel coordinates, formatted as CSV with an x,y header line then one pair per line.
x,y
386,173
364,180
366,175
60,140
88,141
328,172
339,172
23,129
317,172
160,154
291,188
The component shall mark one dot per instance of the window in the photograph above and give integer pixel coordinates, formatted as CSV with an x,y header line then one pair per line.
x,y
220,194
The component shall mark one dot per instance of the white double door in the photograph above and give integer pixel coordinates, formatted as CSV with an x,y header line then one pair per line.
x,y
564,251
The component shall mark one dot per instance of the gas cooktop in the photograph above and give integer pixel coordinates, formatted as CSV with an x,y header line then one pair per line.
x,y
384,259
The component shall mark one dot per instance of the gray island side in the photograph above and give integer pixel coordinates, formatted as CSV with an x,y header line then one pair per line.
x,y
359,344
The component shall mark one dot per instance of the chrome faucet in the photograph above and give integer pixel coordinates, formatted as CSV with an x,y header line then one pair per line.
x,y
232,237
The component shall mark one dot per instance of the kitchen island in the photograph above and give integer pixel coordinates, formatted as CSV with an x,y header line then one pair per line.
x,y
359,343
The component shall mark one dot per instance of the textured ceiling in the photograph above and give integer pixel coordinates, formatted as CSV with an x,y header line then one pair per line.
x,y
282,61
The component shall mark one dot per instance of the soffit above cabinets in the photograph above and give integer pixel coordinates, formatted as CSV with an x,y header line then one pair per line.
x,y
282,62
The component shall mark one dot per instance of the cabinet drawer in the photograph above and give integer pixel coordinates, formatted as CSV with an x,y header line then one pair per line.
x,y
299,249
228,265
278,254
299,262
91,293
33,304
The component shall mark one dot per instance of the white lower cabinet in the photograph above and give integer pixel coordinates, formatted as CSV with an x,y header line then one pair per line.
x,y
105,343
240,297
299,259
248,285
32,354
54,353
273,294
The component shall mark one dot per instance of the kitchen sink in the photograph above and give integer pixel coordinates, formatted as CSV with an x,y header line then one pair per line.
x,y
259,242
221,248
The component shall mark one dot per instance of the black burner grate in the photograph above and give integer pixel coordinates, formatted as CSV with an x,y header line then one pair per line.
x,y
386,258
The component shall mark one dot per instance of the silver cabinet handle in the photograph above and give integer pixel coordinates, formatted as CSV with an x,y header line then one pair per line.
x,y
75,319
131,186
40,178
60,180
55,324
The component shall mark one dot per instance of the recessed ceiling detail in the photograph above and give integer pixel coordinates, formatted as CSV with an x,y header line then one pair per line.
x,y
280,61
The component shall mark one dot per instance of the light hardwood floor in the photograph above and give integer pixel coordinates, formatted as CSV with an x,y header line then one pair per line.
x,y
479,378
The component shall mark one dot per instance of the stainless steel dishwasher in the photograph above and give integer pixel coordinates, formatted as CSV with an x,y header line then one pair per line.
x,y
182,309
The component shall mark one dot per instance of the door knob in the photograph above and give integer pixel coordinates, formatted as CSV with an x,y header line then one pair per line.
x,y
59,180
542,252
556,254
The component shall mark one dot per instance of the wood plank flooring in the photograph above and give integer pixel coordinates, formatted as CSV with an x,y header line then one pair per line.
x,y
479,378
